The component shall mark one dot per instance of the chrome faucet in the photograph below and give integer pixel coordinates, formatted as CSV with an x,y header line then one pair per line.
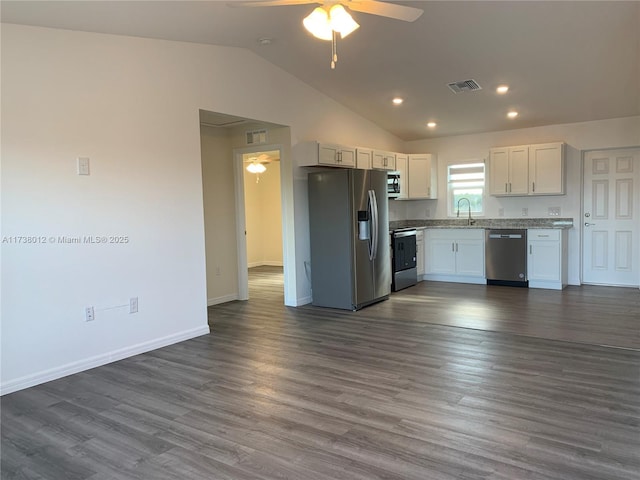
x,y
469,221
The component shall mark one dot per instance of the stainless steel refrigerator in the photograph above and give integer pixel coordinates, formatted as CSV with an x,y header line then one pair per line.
x,y
349,235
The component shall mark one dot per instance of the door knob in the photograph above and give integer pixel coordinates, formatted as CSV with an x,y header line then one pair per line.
x,y
587,224
587,214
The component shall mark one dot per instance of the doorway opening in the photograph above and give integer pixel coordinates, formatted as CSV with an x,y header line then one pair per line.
x,y
263,224
224,139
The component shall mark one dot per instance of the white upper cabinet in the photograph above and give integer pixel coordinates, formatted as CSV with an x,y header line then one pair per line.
x,y
546,169
527,170
509,170
402,166
325,154
422,176
364,158
383,160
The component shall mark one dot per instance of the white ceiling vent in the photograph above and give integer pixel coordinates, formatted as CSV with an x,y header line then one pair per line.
x,y
256,137
464,86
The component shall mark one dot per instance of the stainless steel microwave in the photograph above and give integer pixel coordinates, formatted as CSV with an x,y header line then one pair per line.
x,y
393,184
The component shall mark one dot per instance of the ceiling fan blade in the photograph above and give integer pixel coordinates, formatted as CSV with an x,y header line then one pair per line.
x,y
268,3
384,9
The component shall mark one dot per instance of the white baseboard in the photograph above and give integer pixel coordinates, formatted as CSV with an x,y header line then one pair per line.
x,y
547,285
224,299
266,263
92,362
437,277
302,301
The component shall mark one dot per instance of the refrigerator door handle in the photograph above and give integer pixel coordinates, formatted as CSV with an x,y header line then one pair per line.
x,y
373,205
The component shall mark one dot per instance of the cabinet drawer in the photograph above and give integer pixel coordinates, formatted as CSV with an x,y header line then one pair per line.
x,y
457,233
547,234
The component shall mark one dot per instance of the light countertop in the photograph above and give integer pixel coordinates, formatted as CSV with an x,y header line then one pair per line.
x,y
506,223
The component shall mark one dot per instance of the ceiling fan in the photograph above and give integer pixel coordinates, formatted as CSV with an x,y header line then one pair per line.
x,y
331,18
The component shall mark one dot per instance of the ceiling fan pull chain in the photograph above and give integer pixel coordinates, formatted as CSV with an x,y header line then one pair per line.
x,y
334,50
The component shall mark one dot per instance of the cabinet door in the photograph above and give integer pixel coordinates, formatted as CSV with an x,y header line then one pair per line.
x,y
499,171
347,157
336,155
442,256
544,259
363,158
420,177
328,154
546,169
519,170
383,160
390,161
402,167
470,257
419,251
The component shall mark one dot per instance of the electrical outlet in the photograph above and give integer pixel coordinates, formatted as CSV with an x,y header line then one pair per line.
x,y
133,305
525,212
427,213
217,271
89,314
554,211
501,212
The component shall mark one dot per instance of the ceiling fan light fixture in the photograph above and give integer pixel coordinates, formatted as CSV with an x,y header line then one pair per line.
x,y
321,24
341,21
317,24
256,167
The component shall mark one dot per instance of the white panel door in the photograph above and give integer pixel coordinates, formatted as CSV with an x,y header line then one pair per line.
x,y
611,218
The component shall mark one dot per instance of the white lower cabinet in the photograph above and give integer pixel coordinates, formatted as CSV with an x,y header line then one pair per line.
x,y
455,255
420,253
547,258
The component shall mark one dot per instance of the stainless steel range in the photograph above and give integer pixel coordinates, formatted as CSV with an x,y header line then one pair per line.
x,y
403,259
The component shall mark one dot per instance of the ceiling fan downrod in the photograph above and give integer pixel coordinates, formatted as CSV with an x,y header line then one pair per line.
x,y
334,51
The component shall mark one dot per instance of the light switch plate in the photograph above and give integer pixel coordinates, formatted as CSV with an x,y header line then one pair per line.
x,y
83,165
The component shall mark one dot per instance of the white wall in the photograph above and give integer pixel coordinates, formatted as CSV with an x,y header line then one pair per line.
x,y
263,211
131,105
620,132
220,215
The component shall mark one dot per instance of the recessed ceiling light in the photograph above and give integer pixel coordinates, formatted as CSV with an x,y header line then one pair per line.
x,y
502,89
265,41
431,124
397,101
512,114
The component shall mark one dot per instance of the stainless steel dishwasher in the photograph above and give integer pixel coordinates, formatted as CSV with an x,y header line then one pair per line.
x,y
506,257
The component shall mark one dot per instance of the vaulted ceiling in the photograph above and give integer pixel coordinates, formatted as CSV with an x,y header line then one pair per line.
x,y
564,61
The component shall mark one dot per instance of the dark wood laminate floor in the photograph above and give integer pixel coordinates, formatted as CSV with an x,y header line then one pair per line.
x,y
395,391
